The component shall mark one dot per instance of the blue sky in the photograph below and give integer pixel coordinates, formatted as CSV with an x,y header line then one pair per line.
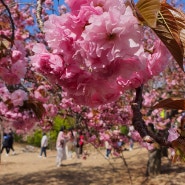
x,y
56,2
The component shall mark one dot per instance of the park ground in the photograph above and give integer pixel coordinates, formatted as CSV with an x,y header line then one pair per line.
x,y
26,168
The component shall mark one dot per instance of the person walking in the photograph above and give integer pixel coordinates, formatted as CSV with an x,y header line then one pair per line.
x,y
108,149
61,147
131,141
11,140
69,144
76,143
81,143
44,144
5,144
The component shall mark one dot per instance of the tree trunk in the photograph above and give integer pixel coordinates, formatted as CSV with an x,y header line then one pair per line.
x,y
154,162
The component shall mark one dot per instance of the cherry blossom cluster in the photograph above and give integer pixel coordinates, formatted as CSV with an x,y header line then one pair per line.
x,y
96,51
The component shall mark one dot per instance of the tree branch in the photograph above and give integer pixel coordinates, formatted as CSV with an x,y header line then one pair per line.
x,y
11,21
139,123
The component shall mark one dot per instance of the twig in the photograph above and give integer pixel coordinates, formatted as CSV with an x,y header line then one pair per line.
x,y
38,14
97,149
128,170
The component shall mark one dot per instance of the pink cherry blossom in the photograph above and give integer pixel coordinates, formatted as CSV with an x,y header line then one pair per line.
x,y
48,63
51,109
18,97
159,59
106,31
41,93
75,5
19,69
23,126
59,34
3,108
48,2
16,55
173,134
4,93
8,76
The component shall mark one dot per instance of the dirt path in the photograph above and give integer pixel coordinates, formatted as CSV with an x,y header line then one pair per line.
x,y
26,168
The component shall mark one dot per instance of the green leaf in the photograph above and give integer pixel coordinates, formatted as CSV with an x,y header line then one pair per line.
x,y
124,130
59,120
147,11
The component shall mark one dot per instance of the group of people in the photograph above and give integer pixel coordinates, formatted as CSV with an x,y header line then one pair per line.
x,y
68,141
7,143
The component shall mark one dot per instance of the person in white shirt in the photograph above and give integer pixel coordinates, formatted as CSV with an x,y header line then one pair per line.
x,y
61,146
44,144
108,149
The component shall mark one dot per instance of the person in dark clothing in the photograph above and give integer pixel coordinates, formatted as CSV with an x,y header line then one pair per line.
x,y
11,140
5,144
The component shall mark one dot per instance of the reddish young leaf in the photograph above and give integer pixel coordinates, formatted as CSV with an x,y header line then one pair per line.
x,y
35,106
147,11
180,21
171,103
168,31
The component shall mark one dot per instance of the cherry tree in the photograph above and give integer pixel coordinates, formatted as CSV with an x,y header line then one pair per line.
x,y
94,54
95,58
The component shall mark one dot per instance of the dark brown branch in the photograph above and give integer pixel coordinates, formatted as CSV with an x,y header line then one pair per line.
x,y
139,123
11,21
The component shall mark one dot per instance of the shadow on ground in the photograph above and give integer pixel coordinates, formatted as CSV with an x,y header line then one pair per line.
x,y
65,175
